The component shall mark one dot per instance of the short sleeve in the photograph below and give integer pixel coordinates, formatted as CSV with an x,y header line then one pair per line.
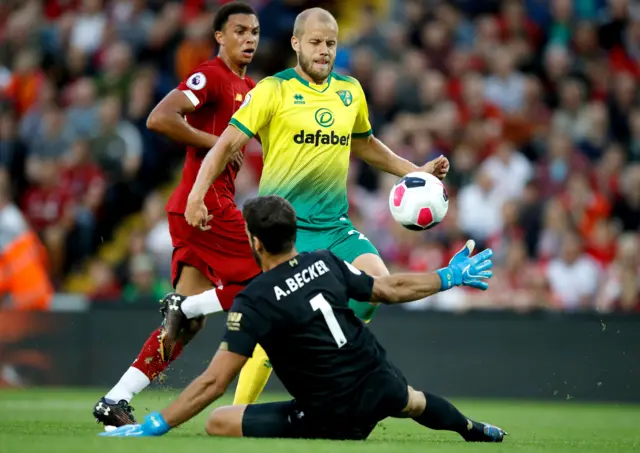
x,y
359,284
362,126
200,86
258,107
244,328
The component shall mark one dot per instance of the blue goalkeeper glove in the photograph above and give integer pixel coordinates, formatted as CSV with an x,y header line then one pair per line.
x,y
466,270
154,425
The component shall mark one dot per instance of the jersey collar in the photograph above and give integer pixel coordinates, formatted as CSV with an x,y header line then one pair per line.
x,y
228,69
319,88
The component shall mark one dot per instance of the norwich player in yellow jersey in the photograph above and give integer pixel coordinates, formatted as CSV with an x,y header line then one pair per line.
x,y
309,119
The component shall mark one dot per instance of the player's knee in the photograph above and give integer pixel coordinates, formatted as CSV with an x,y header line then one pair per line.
x,y
216,424
222,422
372,264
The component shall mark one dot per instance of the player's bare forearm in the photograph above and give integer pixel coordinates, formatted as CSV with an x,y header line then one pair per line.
x,y
167,119
203,391
400,288
206,388
216,160
378,155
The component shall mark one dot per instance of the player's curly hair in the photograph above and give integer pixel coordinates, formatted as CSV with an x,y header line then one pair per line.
x,y
271,219
222,16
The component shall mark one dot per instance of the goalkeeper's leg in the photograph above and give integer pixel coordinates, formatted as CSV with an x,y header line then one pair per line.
x,y
435,412
253,378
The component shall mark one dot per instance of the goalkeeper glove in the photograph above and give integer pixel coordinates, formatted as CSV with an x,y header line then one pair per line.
x,y
154,425
464,270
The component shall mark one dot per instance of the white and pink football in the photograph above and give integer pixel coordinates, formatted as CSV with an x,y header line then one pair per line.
x,y
419,201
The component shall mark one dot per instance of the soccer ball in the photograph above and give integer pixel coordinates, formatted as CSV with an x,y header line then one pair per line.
x,y
419,201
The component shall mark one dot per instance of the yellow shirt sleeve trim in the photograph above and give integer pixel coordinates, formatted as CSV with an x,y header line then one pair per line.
x,y
362,134
242,127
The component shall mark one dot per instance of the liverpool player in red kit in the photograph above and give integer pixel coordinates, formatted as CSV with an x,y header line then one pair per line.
x,y
214,262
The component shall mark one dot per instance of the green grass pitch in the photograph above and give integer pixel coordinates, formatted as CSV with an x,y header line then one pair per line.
x,y
52,421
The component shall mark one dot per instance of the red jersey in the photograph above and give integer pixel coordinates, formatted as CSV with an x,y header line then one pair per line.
x,y
216,92
79,180
44,207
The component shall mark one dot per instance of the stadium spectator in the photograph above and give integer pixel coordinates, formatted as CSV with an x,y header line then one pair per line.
x,y
117,149
195,48
25,82
12,151
116,71
86,182
627,207
158,240
509,170
105,286
572,115
480,207
89,27
145,286
621,286
31,125
573,276
561,160
594,140
52,139
24,284
505,88
82,114
132,22
49,208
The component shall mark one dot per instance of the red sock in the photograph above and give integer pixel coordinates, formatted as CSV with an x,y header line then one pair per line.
x,y
149,360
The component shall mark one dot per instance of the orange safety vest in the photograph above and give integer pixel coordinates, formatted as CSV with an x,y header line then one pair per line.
x,y
23,274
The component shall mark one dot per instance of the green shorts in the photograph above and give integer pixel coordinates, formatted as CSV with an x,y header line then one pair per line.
x,y
346,243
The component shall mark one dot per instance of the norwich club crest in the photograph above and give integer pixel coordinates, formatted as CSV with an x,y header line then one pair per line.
x,y
346,97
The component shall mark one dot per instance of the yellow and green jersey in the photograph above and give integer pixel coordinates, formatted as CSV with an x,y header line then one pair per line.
x,y
306,132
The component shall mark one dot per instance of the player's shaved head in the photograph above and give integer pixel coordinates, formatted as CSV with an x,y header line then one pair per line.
x,y
315,40
317,15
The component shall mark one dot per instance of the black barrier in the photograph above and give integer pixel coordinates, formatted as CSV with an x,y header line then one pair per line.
x,y
498,355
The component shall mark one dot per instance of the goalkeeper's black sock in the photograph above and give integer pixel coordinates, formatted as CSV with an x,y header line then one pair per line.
x,y
440,414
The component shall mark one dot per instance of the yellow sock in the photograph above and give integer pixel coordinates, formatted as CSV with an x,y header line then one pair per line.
x,y
253,377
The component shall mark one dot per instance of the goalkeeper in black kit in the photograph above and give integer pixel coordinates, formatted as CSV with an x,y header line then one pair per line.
x,y
339,376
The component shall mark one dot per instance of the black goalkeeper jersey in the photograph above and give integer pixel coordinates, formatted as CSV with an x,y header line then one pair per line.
x,y
298,312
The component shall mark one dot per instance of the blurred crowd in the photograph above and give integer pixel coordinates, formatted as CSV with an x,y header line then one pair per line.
x,y
537,105
535,102
78,79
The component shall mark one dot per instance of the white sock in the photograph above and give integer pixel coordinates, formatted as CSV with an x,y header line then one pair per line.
x,y
202,304
132,382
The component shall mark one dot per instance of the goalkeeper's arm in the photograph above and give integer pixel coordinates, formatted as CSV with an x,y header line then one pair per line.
x,y
463,270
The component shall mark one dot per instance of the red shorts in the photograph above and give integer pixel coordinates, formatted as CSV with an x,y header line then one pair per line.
x,y
222,254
